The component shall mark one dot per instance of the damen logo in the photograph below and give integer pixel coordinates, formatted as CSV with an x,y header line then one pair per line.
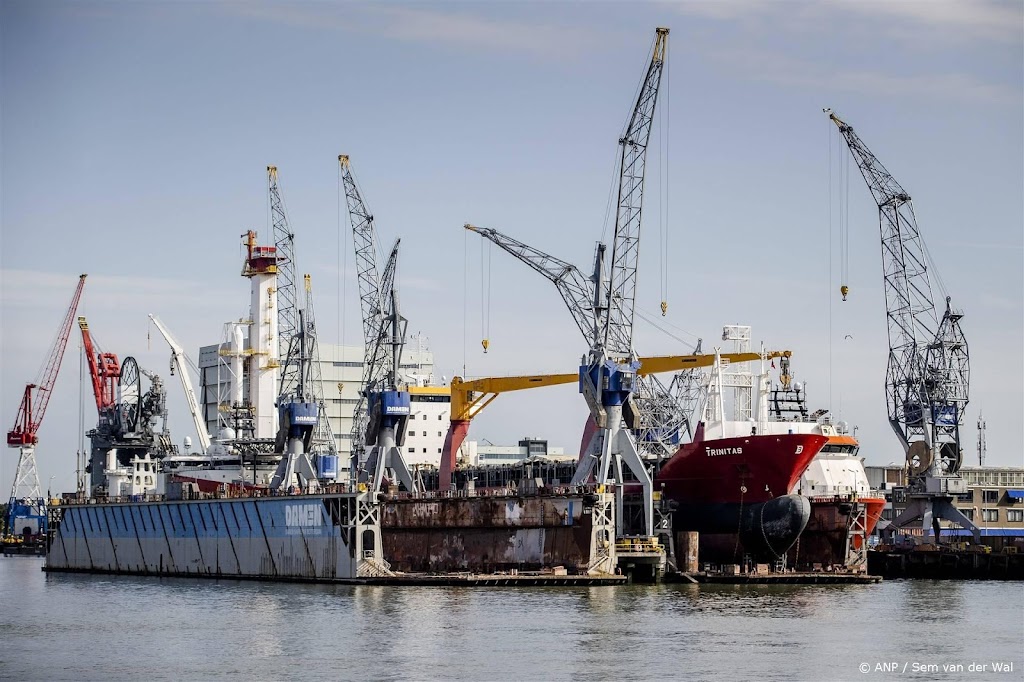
x,y
303,516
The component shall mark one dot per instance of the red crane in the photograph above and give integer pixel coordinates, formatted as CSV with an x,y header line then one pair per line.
x,y
30,413
104,370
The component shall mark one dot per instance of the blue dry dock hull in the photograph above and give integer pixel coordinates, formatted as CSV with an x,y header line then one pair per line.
x,y
286,538
765,531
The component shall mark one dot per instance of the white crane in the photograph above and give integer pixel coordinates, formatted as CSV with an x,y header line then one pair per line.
x,y
178,366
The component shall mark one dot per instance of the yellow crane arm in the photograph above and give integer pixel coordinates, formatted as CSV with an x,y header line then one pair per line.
x,y
470,397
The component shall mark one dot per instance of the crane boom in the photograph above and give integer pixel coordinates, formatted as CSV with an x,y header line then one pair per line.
x,y
618,332
577,289
31,411
178,365
287,295
104,370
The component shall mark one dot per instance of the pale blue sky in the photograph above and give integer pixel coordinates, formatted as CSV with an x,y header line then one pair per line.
x,y
135,138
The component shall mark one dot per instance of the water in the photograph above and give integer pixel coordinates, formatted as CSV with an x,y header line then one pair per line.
x,y
75,627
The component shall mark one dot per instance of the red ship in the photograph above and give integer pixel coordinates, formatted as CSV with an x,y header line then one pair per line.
x,y
734,493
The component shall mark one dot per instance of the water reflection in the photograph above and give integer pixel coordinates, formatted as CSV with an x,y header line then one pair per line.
x,y
203,629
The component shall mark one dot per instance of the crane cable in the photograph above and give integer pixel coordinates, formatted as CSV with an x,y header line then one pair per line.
x,y
485,293
663,183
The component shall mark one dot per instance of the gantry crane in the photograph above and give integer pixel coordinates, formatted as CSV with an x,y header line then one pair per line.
x,y
384,405
27,507
603,305
928,372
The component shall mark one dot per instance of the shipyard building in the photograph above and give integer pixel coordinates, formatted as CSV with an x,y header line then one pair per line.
x,y
341,368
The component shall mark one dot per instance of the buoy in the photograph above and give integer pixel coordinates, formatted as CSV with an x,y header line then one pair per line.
x,y
844,290
664,308
486,344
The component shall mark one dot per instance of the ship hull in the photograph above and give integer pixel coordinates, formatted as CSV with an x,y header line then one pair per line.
x,y
728,489
728,532
823,543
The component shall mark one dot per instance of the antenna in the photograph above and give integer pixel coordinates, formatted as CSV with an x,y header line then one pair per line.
x,y
982,447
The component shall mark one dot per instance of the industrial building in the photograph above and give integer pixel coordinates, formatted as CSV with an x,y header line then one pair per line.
x,y
994,500
342,370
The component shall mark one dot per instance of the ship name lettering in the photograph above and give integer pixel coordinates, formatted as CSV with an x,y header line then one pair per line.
x,y
718,452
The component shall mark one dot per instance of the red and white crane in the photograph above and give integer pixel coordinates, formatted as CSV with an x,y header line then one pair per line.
x,y
26,494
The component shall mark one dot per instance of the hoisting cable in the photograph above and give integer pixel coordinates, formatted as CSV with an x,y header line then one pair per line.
x,y
844,227
485,293
665,123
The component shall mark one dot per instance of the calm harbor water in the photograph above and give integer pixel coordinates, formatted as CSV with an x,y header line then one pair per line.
x,y
80,627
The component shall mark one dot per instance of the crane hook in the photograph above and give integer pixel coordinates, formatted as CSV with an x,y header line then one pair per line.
x,y
486,344
664,308
844,290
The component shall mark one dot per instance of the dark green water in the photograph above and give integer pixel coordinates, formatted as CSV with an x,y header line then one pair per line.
x,y
74,627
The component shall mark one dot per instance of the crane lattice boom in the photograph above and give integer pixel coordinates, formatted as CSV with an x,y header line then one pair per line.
x,y
618,332
928,371
31,411
287,295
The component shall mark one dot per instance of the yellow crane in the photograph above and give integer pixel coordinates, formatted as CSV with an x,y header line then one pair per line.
x,y
470,397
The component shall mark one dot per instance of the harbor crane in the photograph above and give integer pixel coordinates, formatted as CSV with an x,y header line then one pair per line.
x,y
928,372
296,323
26,511
602,305
383,409
178,367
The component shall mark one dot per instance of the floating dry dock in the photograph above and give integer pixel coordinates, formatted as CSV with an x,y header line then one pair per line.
x,y
565,538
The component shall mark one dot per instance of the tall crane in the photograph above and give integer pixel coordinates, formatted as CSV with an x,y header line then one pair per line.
x,y
383,408
603,304
928,372
287,297
323,442
178,367
27,507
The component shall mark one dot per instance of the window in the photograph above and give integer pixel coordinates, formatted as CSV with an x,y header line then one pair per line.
x,y
438,417
990,496
990,514
1015,515
412,449
439,451
412,433
424,433
438,433
969,513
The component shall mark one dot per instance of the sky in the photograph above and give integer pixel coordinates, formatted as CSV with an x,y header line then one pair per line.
x,y
135,139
